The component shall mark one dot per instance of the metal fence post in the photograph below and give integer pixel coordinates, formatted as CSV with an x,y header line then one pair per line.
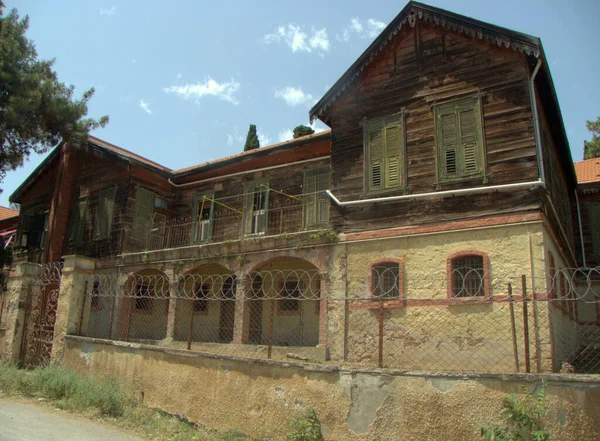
x,y
525,325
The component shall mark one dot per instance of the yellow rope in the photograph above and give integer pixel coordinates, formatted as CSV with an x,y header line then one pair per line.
x,y
220,203
201,208
281,193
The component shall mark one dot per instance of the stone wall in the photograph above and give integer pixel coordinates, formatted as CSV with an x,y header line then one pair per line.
x,y
352,405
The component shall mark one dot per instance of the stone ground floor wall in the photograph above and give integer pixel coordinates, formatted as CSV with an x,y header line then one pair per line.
x,y
351,404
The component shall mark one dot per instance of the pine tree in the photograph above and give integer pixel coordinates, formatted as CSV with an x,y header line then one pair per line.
x,y
252,139
37,111
591,149
302,130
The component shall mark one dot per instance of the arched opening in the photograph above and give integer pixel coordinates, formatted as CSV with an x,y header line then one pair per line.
x,y
283,301
205,309
144,306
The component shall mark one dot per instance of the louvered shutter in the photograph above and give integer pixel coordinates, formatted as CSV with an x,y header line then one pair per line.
x,y
322,198
144,208
310,198
468,140
448,143
248,207
393,152
104,213
263,218
77,221
376,151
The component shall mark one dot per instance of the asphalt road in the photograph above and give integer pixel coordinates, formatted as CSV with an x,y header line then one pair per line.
x,y
21,421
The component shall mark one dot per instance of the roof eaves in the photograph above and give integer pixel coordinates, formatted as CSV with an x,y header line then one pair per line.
x,y
34,174
251,154
412,12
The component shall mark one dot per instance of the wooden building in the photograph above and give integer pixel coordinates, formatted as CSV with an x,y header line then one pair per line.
x,y
446,176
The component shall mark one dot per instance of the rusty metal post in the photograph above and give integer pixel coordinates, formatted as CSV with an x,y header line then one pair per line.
x,y
513,327
85,296
380,345
131,306
271,316
525,325
191,329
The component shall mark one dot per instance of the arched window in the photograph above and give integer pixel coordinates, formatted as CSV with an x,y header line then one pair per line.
x,y
468,275
387,280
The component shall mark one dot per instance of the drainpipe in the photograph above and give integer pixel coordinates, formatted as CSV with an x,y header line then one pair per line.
x,y
536,124
518,186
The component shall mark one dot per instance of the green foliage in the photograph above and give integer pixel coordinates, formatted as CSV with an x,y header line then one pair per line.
x,y
302,130
37,111
523,419
252,139
591,149
307,428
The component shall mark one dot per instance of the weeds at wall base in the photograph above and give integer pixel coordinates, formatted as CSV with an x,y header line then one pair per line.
x,y
70,391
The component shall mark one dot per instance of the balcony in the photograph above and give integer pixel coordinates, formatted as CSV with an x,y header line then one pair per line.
x,y
230,222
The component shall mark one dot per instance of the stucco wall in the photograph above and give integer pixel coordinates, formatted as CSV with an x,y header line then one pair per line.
x,y
435,335
352,405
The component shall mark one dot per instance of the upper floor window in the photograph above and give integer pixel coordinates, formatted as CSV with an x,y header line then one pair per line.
x,y
203,216
256,207
468,274
459,139
386,281
104,213
77,221
384,153
34,229
316,202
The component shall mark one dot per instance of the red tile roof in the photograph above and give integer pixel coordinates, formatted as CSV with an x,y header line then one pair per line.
x,y
7,213
588,170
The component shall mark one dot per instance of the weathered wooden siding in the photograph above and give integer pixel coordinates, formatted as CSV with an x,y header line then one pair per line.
x,y
423,66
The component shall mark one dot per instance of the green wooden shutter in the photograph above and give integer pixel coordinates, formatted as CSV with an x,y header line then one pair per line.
x,y
197,217
248,205
77,222
322,198
470,151
264,219
310,198
448,143
376,152
104,213
144,208
393,153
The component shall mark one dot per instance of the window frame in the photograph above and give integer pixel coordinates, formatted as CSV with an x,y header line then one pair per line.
x,y
400,300
250,190
368,126
318,198
487,293
204,288
438,110
141,299
198,197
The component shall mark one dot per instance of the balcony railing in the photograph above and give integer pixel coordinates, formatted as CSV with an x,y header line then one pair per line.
x,y
284,216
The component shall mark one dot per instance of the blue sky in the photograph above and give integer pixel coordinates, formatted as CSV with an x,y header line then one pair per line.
x,y
182,80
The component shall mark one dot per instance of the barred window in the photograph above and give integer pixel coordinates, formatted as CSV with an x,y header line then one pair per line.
x,y
291,292
385,280
468,276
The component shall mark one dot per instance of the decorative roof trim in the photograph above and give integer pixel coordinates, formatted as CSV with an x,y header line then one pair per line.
x,y
414,11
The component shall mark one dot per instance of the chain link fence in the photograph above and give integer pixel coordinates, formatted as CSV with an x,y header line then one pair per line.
x,y
467,322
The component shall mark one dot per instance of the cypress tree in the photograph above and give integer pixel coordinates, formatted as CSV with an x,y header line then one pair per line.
x,y
252,139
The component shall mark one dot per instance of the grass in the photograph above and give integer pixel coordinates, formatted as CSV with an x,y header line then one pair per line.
x,y
104,399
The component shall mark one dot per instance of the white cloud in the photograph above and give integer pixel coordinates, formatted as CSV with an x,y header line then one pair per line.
x,y
209,87
108,12
299,40
263,139
367,30
145,106
294,96
286,135
234,137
